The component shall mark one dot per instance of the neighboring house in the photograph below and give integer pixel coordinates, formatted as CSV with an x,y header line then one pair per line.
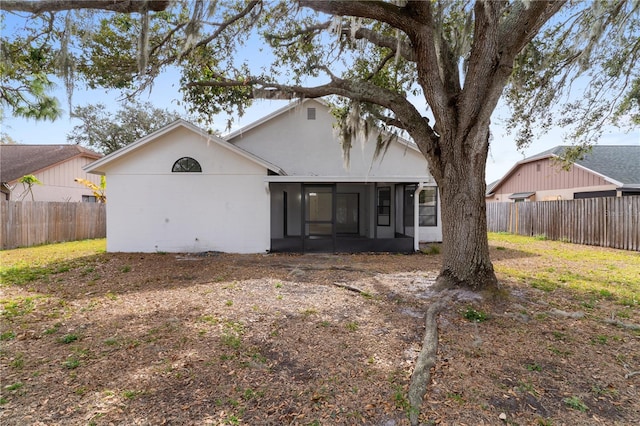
x,y
55,166
278,184
606,171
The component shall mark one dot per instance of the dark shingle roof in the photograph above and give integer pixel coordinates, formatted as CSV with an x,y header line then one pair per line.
x,y
621,163
20,160
618,162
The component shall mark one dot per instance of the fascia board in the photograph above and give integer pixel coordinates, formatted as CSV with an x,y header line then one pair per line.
x,y
349,179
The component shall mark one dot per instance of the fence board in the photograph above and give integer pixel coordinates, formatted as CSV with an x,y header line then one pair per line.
x,y
28,223
607,222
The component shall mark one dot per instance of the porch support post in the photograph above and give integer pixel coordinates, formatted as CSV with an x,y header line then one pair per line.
x,y
416,217
334,209
267,190
302,215
375,211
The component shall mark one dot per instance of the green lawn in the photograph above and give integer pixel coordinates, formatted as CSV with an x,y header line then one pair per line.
x,y
27,264
548,265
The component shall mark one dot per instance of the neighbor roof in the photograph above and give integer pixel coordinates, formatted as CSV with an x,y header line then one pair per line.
x,y
20,160
618,164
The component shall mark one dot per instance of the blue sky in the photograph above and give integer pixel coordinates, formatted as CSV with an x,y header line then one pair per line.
x,y
165,94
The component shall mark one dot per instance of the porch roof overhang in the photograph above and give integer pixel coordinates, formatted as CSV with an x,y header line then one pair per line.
x,y
426,180
519,195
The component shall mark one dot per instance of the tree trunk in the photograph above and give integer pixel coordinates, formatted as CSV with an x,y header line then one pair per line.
x,y
461,179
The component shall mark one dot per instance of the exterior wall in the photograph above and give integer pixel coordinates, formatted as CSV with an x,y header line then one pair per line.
x,y
567,194
58,182
224,208
549,181
303,147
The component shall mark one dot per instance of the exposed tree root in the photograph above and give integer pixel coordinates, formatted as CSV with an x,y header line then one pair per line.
x,y
631,374
426,359
348,287
627,325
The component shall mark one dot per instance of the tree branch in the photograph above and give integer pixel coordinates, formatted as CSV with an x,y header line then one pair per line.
x,y
380,40
381,11
409,118
156,67
224,25
525,22
497,41
424,40
437,65
392,43
389,121
381,65
121,6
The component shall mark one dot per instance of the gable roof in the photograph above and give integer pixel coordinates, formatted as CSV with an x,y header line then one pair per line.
x,y
268,117
398,139
618,164
96,166
20,160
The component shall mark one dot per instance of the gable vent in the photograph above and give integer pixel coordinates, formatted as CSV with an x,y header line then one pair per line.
x,y
311,113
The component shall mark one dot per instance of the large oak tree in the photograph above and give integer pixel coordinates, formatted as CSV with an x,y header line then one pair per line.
x,y
434,70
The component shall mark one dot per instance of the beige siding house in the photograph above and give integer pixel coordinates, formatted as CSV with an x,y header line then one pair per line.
x,y
279,184
606,171
55,166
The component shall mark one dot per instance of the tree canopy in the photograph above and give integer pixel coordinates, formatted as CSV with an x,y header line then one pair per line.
x,y
322,42
105,131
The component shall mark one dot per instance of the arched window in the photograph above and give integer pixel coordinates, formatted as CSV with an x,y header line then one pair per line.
x,y
186,164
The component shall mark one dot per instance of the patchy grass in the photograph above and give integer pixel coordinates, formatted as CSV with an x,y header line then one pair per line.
x,y
575,403
68,338
17,306
603,273
470,314
255,339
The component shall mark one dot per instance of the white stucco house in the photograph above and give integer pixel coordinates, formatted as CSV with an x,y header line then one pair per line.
x,y
278,184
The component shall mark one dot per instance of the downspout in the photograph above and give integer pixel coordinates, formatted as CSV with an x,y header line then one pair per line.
x,y
416,217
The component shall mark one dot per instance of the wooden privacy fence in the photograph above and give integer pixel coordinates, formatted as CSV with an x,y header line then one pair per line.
x,y
26,223
606,222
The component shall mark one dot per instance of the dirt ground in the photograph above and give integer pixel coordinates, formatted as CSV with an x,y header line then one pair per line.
x,y
212,339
